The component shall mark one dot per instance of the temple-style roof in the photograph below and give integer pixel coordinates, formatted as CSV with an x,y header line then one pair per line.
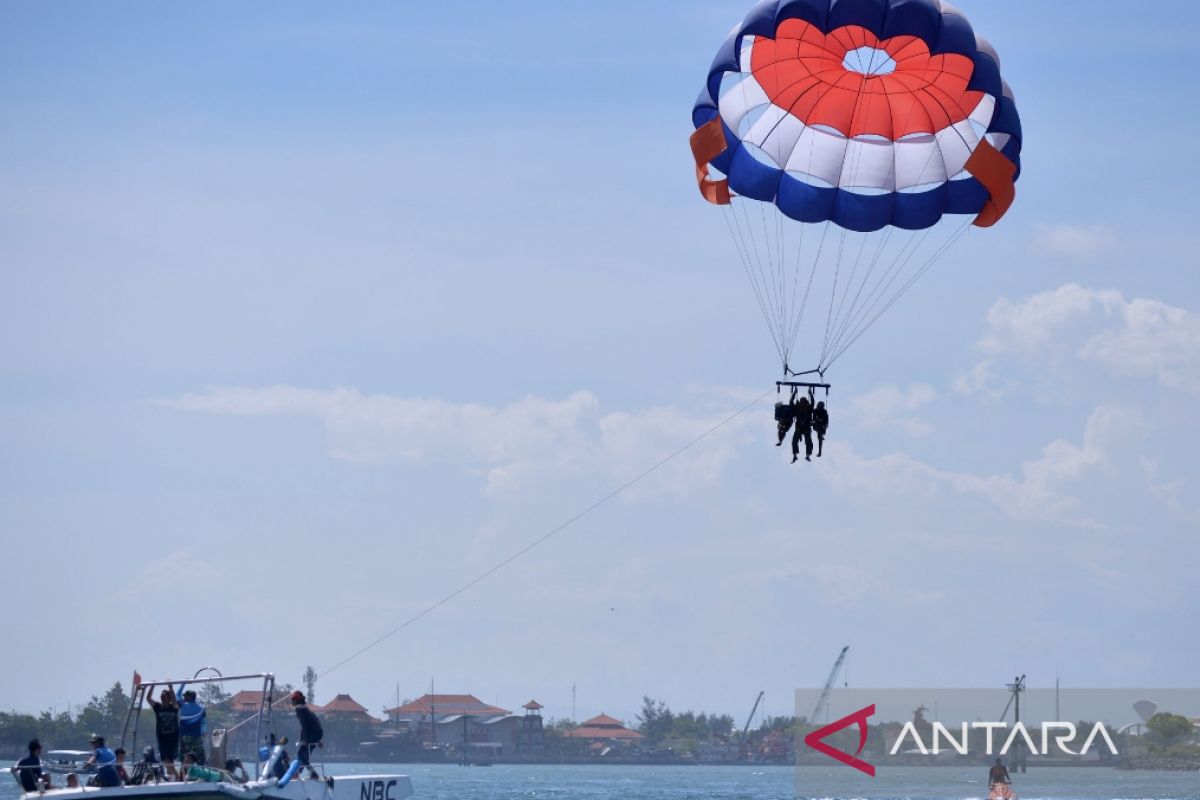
x,y
248,702
603,727
344,704
533,705
447,704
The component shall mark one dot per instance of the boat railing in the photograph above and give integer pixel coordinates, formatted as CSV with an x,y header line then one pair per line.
x,y
142,690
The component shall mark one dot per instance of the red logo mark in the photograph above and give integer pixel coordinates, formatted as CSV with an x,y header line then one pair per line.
x,y
814,739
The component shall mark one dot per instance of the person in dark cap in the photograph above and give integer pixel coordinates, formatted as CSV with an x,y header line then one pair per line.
x,y
105,762
191,726
29,770
148,770
310,732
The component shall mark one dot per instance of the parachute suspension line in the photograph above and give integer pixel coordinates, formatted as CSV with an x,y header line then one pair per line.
x,y
765,285
795,332
783,272
554,531
933,259
837,274
770,247
849,284
885,280
879,250
744,256
795,284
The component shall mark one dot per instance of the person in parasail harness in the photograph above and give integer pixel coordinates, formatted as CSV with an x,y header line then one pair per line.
x,y
820,423
785,414
310,732
804,419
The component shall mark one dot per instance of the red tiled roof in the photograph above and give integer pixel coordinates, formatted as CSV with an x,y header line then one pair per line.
x,y
445,704
602,719
344,704
533,705
595,732
246,702
603,727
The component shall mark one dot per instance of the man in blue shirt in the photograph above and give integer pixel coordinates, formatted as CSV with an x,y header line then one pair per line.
x,y
191,726
105,761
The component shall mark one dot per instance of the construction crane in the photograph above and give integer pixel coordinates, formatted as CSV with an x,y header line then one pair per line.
x,y
746,729
823,700
750,718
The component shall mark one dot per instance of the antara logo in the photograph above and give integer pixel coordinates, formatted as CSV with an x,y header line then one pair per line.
x,y
1062,740
1063,735
814,739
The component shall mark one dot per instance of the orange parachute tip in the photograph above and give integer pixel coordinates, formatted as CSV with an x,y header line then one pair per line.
x,y
708,142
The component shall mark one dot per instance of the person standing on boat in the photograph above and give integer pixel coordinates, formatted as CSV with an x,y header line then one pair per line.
x,y
105,762
310,732
166,728
191,726
29,770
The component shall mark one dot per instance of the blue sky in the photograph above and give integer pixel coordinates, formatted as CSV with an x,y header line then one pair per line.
x,y
311,313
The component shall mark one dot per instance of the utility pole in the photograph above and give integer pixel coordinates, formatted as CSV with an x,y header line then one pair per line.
x,y
573,717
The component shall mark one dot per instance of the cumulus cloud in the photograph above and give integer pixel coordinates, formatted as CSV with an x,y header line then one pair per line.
x,y
1040,491
892,408
1136,338
509,444
1077,242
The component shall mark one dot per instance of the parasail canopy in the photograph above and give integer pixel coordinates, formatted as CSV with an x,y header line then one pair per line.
x,y
860,116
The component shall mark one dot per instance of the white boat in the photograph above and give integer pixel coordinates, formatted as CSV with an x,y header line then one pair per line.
x,y
216,784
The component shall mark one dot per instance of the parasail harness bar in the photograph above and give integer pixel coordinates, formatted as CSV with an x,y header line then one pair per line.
x,y
802,384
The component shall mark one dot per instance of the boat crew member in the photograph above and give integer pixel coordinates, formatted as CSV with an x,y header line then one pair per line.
x,y
121,773
29,770
998,773
310,732
166,727
105,761
237,770
191,726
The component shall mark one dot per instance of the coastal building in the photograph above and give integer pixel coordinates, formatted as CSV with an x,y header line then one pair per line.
x,y
532,737
604,731
420,717
346,708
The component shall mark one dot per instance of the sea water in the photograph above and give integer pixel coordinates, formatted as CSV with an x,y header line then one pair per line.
x,y
602,782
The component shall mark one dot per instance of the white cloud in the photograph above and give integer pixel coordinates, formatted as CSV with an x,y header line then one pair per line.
x,y
535,439
510,445
1136,338
1040,492
890,407
1077,242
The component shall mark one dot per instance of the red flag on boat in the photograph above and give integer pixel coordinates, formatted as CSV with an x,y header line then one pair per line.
x,y
137,679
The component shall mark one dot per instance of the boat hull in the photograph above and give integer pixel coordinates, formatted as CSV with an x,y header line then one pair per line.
x,y
341,787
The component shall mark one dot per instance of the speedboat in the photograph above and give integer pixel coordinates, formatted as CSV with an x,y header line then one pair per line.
x,y
268,781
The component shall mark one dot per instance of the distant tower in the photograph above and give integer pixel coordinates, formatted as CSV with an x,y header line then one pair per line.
x,y
532,736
